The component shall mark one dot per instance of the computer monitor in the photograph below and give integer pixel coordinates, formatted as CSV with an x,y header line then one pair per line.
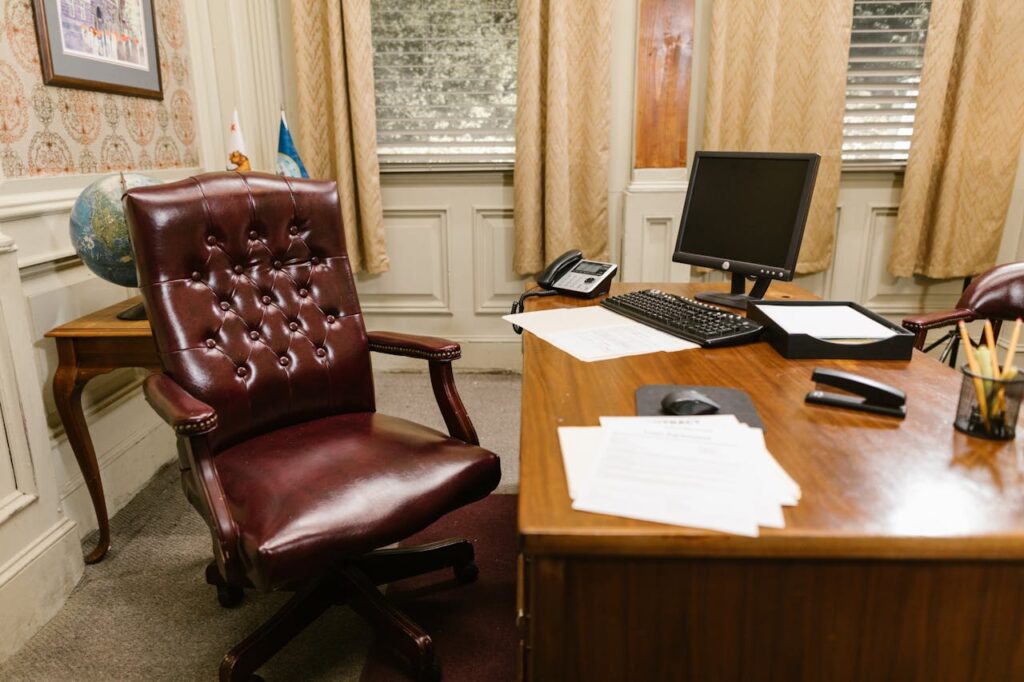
x,y
745,214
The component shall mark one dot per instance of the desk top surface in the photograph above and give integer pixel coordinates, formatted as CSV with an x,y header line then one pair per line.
x,y
104,323
873,486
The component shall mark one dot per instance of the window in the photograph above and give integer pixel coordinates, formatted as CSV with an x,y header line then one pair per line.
x,y
886,53
445,74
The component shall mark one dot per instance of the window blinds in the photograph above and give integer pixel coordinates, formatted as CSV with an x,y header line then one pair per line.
x,y
886,53
445,76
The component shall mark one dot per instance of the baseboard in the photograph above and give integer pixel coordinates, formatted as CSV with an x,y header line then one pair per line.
x,y
35,584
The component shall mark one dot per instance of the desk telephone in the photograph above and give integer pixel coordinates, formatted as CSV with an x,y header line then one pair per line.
x,y
571,275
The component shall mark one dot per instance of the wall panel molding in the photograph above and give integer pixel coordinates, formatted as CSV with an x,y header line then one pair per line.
x,y
656,248
495,285
33,524
653,206
891,295
659,180
418,281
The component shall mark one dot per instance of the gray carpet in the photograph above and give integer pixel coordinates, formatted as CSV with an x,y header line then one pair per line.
x,y
145,613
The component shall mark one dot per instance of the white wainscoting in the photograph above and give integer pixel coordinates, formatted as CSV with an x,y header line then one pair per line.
x,y
40,559
495,285
55,288
449,239
417,282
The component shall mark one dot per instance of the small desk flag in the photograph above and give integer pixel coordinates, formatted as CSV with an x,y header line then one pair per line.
x,y
288,162
236,147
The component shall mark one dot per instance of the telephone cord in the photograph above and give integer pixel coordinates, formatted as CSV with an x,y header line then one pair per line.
x,y
517,307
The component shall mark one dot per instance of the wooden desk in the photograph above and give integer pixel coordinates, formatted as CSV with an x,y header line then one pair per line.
x,y
903,561
88,347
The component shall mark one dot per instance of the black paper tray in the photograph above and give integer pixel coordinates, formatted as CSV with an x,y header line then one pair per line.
x,y
802,346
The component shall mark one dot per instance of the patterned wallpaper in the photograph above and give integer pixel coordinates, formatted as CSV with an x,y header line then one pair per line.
x,y
57,131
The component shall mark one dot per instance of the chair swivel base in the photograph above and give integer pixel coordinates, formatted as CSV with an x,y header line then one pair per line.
x,y
354,584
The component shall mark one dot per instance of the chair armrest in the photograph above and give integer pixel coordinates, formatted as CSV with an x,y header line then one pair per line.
x,y
186,415
193,418
920,324
439,353
414,346
939,319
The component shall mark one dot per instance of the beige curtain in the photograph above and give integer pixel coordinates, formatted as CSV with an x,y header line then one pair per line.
x,y
777,82
966,140
562,104
337,124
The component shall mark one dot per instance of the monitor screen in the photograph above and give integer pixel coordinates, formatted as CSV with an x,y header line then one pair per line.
x,y
748,209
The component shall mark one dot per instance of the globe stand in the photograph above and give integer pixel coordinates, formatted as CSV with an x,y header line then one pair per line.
x,y
133,313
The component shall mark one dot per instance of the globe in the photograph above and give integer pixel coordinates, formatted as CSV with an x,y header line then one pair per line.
x,y
98,231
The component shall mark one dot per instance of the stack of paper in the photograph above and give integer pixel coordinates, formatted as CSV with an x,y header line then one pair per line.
x,y
827,321
594,333
710,472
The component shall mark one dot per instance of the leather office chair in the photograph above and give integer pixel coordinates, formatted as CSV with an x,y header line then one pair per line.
x,y
267,383
995,295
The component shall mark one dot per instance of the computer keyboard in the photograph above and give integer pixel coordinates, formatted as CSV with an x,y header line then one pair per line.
x,y
704,324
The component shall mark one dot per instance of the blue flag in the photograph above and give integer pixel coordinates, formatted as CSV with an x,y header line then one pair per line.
x,y
288,162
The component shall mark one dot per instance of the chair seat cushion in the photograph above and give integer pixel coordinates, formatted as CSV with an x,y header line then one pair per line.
x,y
310,495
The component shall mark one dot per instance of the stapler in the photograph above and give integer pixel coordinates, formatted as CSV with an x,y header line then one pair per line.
x,y
871,396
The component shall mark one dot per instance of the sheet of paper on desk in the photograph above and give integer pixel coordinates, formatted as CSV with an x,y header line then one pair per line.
x,y
826,321
580,447
592,333
722,429
707,472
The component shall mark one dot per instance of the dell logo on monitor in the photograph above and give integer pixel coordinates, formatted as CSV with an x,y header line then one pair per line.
x,y
725,265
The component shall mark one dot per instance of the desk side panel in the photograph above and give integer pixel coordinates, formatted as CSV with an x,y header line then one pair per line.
x,y
663,619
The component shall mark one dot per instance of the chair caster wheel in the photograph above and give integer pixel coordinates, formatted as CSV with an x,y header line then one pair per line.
x,y
467,573
229,596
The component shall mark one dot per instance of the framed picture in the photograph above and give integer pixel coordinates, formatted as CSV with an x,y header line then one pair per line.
x,y
105,45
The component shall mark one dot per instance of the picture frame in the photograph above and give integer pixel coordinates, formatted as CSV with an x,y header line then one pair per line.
x,y
103,45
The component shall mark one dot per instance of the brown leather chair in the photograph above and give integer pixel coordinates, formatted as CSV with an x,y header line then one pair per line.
x,y
267,382
995,295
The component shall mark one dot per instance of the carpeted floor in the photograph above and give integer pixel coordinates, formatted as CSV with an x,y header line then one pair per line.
x,y
145,613
473,626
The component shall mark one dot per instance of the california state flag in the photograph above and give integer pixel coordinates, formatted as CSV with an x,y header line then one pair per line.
x,y
238,158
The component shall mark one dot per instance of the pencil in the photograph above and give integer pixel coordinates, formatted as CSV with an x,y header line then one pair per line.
x,y
972,364
991,341
1000,406
1012,350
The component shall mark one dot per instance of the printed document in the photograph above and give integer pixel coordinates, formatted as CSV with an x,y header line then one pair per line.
x,y
709,472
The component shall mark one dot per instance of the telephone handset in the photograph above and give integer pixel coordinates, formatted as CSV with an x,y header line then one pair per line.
x,y
571,275
558,267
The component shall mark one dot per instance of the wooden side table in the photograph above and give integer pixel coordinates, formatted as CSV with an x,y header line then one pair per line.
x,y
88,347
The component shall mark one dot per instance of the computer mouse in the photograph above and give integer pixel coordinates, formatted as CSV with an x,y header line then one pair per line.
x,y
688,403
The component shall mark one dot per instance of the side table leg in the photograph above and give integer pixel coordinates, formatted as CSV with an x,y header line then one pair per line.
x,y
67,394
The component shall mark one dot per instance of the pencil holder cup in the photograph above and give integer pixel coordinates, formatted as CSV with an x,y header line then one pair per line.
x,y
988,408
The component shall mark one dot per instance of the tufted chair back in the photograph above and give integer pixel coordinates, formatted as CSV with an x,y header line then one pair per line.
x,y
250,294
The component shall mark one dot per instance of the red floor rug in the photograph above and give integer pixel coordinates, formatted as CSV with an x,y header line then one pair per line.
x,y
473,626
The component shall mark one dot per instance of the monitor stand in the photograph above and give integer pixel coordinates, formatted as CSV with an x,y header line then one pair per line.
x,y
737,298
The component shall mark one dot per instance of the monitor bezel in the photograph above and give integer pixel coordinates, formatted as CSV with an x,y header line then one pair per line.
x,y
784,273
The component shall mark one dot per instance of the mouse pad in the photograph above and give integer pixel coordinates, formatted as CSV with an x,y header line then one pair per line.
x,y
732,400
